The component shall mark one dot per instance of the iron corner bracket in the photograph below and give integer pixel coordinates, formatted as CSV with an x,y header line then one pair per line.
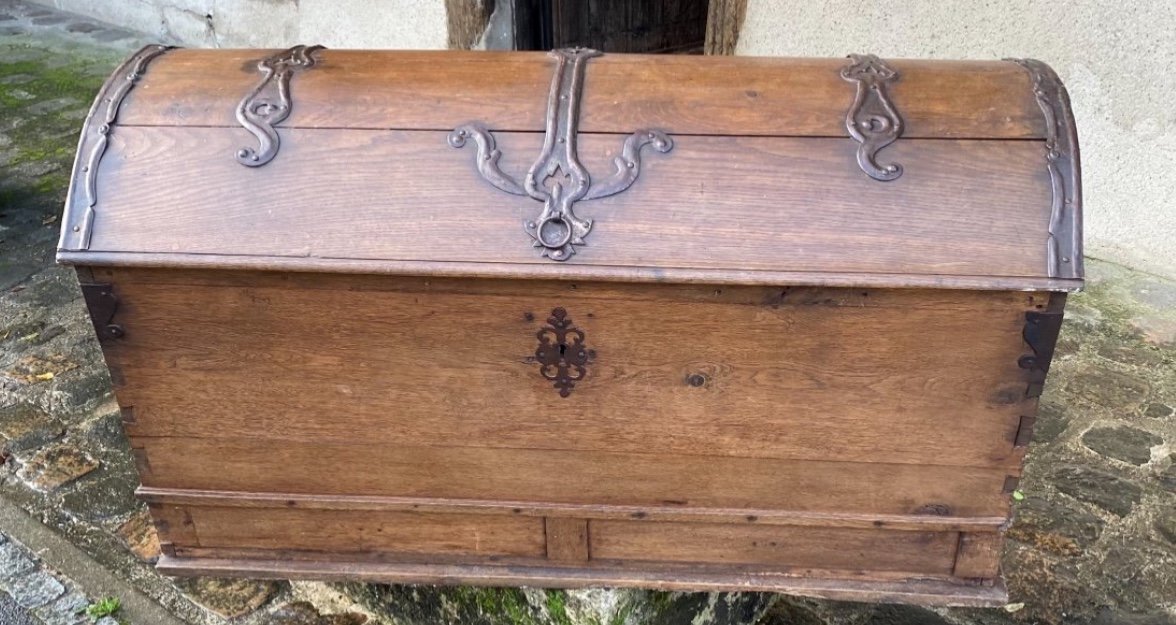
x,y
103,304
78,223
1064,242
1041,335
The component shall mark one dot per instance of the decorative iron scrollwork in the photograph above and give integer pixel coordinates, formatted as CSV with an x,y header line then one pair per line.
x,y
872,120
1064,245
102,304
269,103
561,354
75,233
557,178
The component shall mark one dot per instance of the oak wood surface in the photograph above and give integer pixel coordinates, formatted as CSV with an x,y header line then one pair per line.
x,y
568,476
663,577
978,555
824,548
179,261
968,208
351,531
718,95
177,499
567,539
862,382
407,536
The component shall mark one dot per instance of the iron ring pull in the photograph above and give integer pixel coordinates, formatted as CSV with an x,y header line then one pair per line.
x,y
542,238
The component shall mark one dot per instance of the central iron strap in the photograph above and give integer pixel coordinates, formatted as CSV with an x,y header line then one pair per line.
x,y
557,178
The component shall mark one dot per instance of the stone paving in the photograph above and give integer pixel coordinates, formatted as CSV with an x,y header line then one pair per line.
x,y
33,594
1094,541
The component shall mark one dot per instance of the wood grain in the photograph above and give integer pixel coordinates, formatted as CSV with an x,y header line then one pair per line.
x,y
753,204
914,522
180,261
568,477
858,384
351,531
724,21
978,556
567,539
466,21
718,95
822,548
663,577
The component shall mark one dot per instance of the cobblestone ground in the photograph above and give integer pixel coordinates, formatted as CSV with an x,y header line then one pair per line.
x,y
1094,542
33,594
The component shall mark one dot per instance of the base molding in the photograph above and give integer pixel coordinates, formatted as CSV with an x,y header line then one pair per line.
x,y
930,592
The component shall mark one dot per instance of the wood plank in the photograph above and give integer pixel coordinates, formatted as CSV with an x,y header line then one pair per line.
x,y
979,555
567,539
569,477
931,553
858,384
499,271
914,591
724,21
466,20
174,526
222,499
369,531
774,295
748,202
719,95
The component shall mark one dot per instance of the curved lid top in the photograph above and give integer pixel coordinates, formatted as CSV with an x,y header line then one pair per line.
x,y
658,168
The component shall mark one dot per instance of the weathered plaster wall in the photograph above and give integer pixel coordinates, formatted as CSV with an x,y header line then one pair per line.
x,y
409,24
1115,57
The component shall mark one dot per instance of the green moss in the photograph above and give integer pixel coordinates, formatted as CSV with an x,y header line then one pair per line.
x,y
499,605
557,607
45,136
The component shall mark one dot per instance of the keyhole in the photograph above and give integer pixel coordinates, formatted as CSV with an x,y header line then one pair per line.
x,y
563,349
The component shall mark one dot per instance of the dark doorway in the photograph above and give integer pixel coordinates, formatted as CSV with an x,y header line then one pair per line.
x,y
644,26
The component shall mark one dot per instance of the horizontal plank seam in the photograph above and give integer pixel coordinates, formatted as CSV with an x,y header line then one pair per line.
x,y
111,258
987,305
240,499
981,304
905,137
1011,463
1012,468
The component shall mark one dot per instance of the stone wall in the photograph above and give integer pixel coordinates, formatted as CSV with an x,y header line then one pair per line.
x,y
1115,57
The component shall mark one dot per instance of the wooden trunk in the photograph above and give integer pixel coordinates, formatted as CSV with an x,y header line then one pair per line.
x,y
746,324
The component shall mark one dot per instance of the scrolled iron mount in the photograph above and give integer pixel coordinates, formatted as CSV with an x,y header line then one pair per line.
x,y
269,103
1064,245
872,120
557,178
95,137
